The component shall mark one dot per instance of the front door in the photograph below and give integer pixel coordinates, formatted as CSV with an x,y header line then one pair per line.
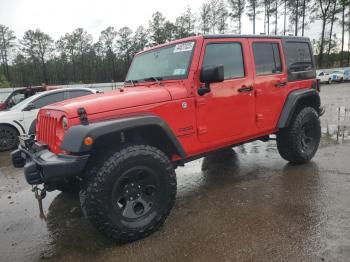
x,y
270,82
227,112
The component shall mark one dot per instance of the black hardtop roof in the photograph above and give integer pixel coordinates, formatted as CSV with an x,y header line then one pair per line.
x,y
298,38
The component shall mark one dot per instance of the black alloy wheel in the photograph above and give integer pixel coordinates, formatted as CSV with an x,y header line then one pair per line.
x,y
136,194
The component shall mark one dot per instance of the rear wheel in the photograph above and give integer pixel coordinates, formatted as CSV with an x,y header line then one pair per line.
x,y
299,142
130,195
8,138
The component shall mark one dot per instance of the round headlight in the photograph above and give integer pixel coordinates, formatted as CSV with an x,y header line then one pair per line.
x,y
64,122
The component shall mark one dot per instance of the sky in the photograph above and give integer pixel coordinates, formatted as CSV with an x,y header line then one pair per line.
x,y
57,17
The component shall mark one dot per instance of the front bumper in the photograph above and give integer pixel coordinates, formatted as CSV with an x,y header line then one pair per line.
x,y
43,166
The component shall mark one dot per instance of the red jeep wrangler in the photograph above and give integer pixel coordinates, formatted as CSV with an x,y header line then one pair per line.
x,y
180,101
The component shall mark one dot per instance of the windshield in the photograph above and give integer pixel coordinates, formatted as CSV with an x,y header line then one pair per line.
x,y
169,62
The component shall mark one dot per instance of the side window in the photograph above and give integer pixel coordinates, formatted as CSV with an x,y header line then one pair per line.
x,y
229,55
267,58
49,99
298,56
78,93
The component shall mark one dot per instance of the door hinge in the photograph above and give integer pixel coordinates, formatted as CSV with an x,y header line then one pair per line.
x,y
202,130
259,117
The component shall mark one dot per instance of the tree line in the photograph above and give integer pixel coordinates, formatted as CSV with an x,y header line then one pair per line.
x,y
75,58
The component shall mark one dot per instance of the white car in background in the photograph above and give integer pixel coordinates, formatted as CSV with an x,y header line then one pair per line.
x,y
20,119
338,76
324,77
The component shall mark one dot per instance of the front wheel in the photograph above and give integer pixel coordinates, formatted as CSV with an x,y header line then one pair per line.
x,y
299,142
8,138
130,195
329,81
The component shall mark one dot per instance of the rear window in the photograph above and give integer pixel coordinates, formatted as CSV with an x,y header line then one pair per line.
x,y
298,56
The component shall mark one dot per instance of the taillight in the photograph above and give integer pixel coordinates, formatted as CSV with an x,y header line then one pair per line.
x,y
316,84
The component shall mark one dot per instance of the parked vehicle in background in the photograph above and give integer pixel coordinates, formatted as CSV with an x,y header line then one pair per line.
x,y
338,76
19,95
324,77
20,119
181,101
346,74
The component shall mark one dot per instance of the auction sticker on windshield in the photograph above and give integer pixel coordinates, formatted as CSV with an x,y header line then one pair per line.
x,y
183,47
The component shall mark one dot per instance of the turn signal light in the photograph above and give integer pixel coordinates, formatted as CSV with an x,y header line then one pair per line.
x,y
88,141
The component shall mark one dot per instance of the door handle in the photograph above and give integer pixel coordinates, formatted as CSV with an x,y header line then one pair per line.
x,y
280,84
245,89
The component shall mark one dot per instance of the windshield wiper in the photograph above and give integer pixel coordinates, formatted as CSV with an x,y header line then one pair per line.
x,y
153,78
132,82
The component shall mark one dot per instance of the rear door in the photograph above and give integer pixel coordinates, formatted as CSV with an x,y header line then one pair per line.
x,y
270,81
227,112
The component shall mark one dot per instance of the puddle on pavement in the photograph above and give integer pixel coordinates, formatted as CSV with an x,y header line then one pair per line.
x,y
21,225
336,125
65,228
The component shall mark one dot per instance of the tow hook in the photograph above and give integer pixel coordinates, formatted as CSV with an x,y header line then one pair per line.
x,y
40,194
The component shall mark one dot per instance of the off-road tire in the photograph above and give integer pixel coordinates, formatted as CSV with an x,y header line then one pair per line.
x,y
99,188
292,142
8,138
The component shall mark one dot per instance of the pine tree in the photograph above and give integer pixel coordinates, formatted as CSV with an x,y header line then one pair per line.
x,y
237,11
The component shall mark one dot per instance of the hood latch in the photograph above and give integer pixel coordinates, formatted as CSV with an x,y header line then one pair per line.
x,y
83,116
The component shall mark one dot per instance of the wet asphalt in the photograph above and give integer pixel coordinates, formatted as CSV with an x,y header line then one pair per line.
x,y
244,204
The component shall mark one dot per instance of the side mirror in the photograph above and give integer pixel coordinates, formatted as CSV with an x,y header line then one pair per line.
x,y
210,74
29,107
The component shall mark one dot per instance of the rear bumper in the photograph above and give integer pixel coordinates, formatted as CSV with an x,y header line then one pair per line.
x,y
43,166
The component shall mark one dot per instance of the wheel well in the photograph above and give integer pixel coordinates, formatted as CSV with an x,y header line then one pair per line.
x,y
150,135
12,126
295,102
309,101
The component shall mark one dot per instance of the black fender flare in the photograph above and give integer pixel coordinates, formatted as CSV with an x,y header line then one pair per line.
x,y
73,140
291,103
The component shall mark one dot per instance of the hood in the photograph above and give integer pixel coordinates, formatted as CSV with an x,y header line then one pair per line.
x,y
114,100
10,115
